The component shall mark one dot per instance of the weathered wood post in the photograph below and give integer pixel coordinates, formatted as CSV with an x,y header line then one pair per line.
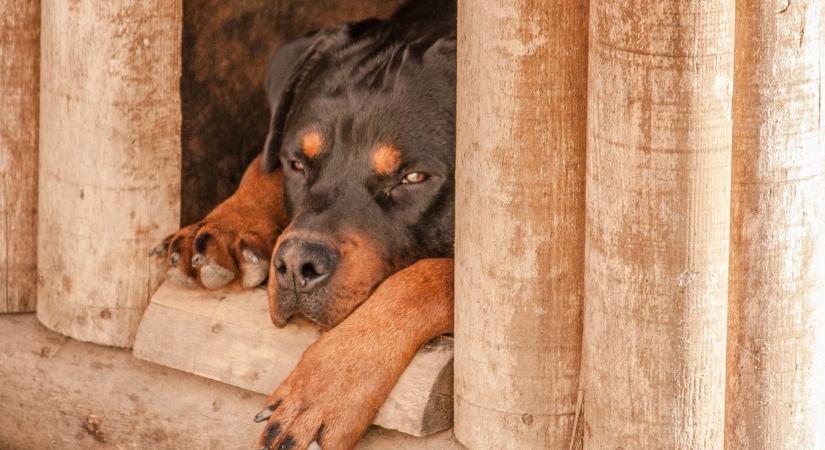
x,y
109,163
776,355
19,86
658,202
519,221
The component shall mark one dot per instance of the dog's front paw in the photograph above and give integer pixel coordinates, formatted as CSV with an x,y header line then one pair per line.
x,y
214,253
327,399
233,244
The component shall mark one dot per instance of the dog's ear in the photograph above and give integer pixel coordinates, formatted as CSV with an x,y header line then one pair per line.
x,y
290,70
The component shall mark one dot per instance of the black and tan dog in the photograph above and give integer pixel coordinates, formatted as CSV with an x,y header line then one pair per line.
x,y
349,210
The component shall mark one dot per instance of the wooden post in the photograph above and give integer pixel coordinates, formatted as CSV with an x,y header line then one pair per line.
x,y
519,221
19,85
658,201
776,355
109,163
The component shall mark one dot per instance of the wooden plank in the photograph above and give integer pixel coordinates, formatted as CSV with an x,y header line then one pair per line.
x,y
59,393
227,336
19,89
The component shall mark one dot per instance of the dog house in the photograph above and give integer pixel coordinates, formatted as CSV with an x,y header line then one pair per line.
x,y
640,225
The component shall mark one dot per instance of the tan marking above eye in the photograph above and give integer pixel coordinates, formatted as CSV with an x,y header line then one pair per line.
x,y
312,143
386,159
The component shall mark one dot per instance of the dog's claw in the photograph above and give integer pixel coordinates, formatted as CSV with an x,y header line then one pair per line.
x,y
265,413
253,269
287,444
198,260
158,250
250,256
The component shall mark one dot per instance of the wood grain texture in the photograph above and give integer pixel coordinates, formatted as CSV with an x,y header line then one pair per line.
x,y
521,131
658,215
55,390
776,350
227,336
19,89
109,161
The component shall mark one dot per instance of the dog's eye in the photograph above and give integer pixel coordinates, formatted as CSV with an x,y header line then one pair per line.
x,y
414,178
297,166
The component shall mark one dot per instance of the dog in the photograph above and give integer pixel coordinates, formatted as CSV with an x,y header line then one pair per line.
x,y
347,213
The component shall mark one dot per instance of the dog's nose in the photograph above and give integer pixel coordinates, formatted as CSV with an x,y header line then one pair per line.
x,y
304,266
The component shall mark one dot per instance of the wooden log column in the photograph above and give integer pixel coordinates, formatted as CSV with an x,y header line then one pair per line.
x,y
109,163
658,215
19,86
521,128
776,354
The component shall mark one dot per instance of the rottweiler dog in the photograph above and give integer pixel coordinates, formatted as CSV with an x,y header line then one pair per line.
x,y
348,212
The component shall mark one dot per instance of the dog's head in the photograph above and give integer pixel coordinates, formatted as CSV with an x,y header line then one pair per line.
x,y
363,126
